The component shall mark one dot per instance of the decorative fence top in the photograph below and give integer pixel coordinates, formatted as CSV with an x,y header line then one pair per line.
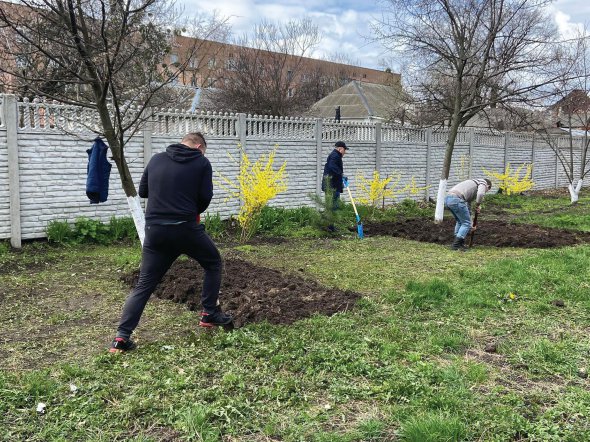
x,y
52,116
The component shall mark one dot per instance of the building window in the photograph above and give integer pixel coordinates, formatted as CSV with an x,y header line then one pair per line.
x,y
290,93
174,59
211,63
364,75
210,82
289,75
231,64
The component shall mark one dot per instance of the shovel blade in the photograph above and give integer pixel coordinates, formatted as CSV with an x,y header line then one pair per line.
x,y
359,229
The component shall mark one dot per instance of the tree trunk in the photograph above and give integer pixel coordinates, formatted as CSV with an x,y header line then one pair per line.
x,y
442,185
118,154
575,191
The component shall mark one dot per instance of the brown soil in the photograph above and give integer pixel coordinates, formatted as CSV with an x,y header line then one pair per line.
x,y
489,233
253,293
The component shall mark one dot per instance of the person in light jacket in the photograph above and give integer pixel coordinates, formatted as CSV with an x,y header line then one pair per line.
x,y
458,200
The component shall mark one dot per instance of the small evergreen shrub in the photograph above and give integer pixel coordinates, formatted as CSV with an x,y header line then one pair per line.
x,y
214,225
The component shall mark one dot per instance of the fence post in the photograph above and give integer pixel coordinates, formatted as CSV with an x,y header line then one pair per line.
x,y
378,143
428,161
10,108
148,130
471,141
242,133
557,150
318,154
533,158
506,134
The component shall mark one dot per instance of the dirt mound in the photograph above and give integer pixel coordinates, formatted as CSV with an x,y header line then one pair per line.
x,y
489,233
253,293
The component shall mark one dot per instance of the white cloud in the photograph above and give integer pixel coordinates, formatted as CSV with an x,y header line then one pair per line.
x,y
344,29
570,15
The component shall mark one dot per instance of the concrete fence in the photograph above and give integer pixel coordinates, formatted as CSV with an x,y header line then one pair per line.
x,y
43,158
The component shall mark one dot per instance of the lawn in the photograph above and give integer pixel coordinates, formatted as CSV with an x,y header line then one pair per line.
x,y
489,345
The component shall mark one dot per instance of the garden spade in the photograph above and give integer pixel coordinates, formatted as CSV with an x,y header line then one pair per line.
x,y
359,224
473,231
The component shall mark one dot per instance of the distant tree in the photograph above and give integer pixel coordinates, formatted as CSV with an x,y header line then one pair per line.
x,y
562,116
109,56
267,68
467,56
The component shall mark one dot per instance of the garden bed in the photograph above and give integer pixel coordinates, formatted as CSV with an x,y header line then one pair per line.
x,y
253,293
495,233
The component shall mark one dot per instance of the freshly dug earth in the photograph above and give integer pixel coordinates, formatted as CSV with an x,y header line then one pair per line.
x,y
489,233
253,293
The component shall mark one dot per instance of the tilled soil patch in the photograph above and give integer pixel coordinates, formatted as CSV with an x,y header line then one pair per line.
x,y
495,233
253,293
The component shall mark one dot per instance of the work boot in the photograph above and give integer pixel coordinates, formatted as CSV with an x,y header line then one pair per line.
x,y
459,244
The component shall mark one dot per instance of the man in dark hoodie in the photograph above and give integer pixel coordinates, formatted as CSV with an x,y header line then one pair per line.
x,y
179,186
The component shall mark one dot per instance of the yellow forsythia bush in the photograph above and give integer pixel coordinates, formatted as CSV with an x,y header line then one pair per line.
x,y
510,181
256,184
374,191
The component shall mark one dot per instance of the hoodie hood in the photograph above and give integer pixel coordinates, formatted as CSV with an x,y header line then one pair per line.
x,y
182,154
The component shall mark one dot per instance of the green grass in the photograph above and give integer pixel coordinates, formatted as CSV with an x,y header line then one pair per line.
x,y
407,364
556,212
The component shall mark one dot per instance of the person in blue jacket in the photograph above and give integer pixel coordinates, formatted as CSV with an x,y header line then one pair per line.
x,y
334,170
179,186
334,174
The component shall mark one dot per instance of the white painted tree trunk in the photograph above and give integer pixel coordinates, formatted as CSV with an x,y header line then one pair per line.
x,y
575,191
138,216
440,201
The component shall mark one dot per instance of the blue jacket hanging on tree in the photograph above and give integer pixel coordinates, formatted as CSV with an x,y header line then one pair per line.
x,y
99,169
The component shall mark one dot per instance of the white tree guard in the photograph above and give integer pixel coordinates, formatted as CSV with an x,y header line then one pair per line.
x,y
440,201
138,216
575,191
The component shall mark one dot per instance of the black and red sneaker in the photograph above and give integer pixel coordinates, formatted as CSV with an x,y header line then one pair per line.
x,y
120,345
215,319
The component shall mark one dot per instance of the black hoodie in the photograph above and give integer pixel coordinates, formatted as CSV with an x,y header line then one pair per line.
x,y
178,184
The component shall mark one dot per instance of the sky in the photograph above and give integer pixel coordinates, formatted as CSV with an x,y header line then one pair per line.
x,y
345,24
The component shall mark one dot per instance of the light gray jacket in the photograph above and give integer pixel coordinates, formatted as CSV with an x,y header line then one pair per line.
x,y
470,190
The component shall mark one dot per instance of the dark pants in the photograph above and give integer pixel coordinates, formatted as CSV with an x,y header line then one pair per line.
x,y
334,208
162,245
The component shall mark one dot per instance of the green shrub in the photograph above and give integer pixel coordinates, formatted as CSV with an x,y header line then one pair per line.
x,y
214,225
283,222
91,230
59,232
4,247
122,228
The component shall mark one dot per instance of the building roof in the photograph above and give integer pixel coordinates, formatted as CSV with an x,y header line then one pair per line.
x,y
359,101
576,101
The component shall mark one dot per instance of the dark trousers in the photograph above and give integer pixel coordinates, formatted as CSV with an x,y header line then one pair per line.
x,y
162,245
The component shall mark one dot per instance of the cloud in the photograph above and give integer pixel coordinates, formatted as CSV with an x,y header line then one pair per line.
x,y
563,11
344,24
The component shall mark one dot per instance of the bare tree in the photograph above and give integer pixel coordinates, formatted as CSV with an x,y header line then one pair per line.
x,y
467,56
268,67
567,119
110,56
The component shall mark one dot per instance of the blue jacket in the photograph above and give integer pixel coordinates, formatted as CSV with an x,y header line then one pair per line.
x,y
99,169
334,169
